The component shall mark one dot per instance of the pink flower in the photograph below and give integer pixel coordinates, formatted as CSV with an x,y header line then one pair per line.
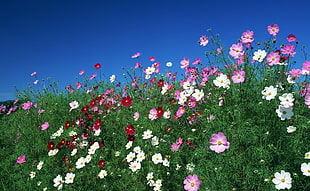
x,y
273,58
203,40
236,50
219,143
138,65
81,72
273,29
175,147
306,66
180,111
295,72
291,38
153,114
93,76
27,105
288,49
238,77
33,73
21,159
152,58
191,183
136,55
36,82
45,126
41,110
184,63
247,37
136,116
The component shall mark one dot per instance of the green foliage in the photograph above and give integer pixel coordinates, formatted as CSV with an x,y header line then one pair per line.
x,y
260,145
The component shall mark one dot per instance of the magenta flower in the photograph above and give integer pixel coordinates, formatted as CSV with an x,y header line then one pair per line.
x,y
219,143
41,111
273,29
27,105
203,40
21,159
247,37
236,50
184,63
273,58
81,72
45,126
175,147
238,77
295,72
288,49
306,66
33,73
136,55
191,183
291,38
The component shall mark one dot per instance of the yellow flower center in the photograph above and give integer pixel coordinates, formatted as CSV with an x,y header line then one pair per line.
x,y
219,142
282,180
192,184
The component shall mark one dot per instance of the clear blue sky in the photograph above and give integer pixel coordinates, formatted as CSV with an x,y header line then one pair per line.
x,y
58,38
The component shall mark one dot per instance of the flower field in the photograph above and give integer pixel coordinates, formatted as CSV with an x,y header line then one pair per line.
x,y
238,119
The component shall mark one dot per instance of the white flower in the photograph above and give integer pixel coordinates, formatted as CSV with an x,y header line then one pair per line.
x,y
32,174
155,141
307,155
150,176
166,162
73,152
305,72
140,156
287,100
222,81
186,85
305,169
291,129
58,182
282,180
97,132
95,145
190,167
53,152
117,153
137,149
129,145
149,70
291,79
80,163
158,183
40,165
147,134
164,89
157,158
91,150
112,78
167,114
134,166
69,178
198,95
74,105
102,174
88,158
259,55
72,133
169,64
178,167
269,93
130,156
285,113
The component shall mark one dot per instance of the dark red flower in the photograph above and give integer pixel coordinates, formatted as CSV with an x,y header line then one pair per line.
x,y
85,109
130,130
126,101
131,138
168,129
97,66
160,111
50,145
160,83
101,163
67,124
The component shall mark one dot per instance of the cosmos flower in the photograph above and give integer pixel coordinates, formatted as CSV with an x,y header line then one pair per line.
x,y
219,143
21,159
282,180
191,183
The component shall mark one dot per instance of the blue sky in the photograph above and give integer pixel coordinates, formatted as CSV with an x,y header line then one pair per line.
x,y
59,38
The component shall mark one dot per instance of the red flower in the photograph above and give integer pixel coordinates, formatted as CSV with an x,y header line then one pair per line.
x,y
85,109
168,129
97,66
130,130
126,101
160,111
50,145
101,163
160,83
67,124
